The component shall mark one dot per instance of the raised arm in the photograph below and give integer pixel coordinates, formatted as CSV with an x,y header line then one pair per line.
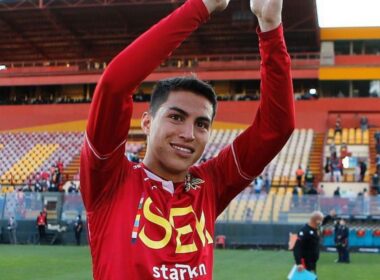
x,y
237,165
111,109
274,121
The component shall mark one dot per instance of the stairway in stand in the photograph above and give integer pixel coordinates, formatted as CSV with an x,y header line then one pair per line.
x,y
316,157
73,168
372,154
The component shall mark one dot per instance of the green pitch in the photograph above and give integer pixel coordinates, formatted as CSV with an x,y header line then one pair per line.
x,y
73,263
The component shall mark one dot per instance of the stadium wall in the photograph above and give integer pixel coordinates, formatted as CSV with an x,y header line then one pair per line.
x,y
27,233
315,114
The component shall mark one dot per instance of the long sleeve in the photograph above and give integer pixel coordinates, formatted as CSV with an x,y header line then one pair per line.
x,y
239,163
102,165
297,251
275,119
299,247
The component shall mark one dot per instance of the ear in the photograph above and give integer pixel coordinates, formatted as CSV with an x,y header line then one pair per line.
x,y
146,121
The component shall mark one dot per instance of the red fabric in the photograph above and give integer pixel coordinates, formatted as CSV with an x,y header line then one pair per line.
x,y
45,175
376,233
60,166
41,220
327,232
171,234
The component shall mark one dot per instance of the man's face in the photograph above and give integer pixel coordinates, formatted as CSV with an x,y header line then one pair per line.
x,y
318,221
177,134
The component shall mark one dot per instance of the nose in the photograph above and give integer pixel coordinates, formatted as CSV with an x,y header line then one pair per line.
x,y
187,132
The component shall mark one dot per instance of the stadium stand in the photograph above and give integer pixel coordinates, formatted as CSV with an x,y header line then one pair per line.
x,y
27,154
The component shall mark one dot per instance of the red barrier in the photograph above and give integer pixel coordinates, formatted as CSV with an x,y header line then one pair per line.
x,y
316,114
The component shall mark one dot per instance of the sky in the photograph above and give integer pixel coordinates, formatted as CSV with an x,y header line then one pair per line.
x,y
348,13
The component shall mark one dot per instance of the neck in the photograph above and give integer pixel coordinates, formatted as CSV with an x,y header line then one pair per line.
x,y
164,173
313,225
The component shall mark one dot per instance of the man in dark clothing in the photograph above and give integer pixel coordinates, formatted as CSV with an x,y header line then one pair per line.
x,y
312,191
309,178
342,242
295,197
78,227
337,192
363,170
306,249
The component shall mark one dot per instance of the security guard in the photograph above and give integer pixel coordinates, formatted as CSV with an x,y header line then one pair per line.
x,y
342,242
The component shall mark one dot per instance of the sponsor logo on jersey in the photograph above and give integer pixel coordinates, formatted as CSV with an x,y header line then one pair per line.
x,y
196,228
179,272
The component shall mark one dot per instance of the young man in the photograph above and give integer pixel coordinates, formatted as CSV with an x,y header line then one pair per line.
x,y
155,220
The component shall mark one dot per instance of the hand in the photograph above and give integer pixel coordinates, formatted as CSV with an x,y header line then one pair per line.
x,y
268,13
300,267
215,5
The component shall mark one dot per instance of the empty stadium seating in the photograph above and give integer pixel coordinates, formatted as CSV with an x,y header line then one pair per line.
x,y
281,170
29,153
25,154
353,136
296,152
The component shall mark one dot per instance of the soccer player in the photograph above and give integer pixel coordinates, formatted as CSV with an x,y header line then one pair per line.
x,y
155,220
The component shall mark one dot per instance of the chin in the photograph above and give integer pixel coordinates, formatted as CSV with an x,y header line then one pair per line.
x,y
179,166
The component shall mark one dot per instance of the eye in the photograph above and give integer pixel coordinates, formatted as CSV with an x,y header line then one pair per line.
x,y
176,117
202,124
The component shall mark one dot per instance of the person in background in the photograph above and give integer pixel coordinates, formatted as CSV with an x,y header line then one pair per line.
x,y
337,192
332,149
338,127
78,228
375,182
342,242
363,170
309,179
72,188
364,123
306,249
295,197
266,182
12,227
258,185
321,190
299,175
41,225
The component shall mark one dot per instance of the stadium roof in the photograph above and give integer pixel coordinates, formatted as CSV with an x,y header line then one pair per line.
x,y
48,30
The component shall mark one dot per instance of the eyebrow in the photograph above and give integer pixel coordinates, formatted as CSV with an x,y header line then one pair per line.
x,y
186,114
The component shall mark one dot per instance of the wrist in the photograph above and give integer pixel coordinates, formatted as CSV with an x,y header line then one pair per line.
x,y
268,25
215,5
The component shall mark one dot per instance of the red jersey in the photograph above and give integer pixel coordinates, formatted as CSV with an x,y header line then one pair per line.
x,y
141,226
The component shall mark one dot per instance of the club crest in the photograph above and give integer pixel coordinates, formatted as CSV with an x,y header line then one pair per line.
x,y
192,183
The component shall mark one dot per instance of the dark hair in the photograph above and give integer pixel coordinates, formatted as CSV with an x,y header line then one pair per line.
x,y
165,87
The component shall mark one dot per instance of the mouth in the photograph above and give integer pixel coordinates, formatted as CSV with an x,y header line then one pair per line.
x,y
182,149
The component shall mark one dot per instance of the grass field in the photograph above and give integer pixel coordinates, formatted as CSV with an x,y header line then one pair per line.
x,y
73,263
